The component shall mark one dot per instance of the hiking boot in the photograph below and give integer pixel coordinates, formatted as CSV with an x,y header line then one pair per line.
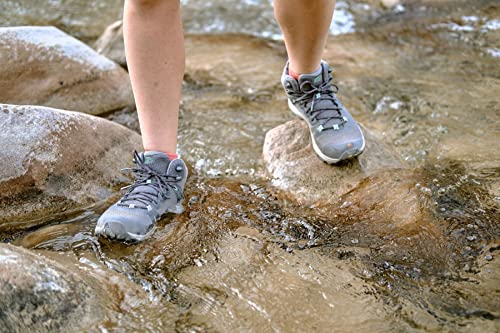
x,y
157,189
334,133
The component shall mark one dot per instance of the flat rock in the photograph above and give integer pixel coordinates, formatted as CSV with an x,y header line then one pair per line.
x,y
231,60
294,167
84,19
52,160
45,66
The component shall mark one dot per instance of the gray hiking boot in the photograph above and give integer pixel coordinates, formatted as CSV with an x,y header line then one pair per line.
x,y
157,189
334,133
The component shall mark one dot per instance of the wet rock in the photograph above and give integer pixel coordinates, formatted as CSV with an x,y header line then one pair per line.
x,y
39,295
244,63
386,203
53,292
44,66
81,18
279,292
53,160
294,167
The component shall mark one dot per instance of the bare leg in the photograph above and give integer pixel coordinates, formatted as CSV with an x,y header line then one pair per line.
x,y
305,25
154,46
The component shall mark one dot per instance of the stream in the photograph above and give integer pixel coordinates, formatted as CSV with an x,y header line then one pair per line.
x,y
412,249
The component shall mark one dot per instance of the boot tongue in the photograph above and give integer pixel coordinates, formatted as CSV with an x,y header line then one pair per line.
x,y
157,161
310,81
313,80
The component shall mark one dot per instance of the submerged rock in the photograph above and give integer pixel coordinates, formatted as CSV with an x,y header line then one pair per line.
x,y
53,160
83,19
254,285
44,66
294,167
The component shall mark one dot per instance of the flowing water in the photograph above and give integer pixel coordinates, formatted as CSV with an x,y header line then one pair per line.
x,y
244,257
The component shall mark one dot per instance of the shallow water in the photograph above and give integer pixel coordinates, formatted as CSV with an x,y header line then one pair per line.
x,y
249,16
407,250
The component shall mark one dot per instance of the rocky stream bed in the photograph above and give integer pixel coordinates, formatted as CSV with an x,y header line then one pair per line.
x,y
404,238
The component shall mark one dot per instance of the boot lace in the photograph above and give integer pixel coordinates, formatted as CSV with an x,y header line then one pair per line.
x,y
309,96
145,176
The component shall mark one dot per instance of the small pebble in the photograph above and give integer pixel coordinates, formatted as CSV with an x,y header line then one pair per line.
x,y
355,241
488,257
471,238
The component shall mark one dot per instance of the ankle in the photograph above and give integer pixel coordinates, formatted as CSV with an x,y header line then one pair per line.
x,y
296,73
171,156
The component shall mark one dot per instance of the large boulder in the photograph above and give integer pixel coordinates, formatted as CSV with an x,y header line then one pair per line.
x,y
84,19
44,66
294,167
52,160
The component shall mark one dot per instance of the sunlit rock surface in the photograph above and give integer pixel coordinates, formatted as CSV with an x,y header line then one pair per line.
x,y
53,160
45,66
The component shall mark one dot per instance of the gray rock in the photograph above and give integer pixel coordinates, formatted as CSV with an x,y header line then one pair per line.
x,y
84,19
52,160
111,45
55,292
39,295
294,167
44,66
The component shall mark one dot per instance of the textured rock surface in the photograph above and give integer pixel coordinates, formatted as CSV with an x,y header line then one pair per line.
x,y
51,160
110,43
44,66
57,293
295,168
38,295
84,19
